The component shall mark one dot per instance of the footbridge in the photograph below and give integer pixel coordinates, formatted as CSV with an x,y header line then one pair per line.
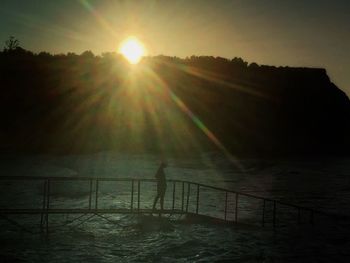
x,y
191,201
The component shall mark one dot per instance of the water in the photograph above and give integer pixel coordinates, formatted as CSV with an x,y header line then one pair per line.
x,y
318,183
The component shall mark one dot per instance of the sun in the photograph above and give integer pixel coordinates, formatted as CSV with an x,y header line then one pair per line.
x,y
132,49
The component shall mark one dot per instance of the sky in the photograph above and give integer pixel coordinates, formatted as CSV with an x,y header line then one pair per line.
x,y
312,33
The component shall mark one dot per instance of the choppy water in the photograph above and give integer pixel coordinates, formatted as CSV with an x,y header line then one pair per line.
x,y
321,184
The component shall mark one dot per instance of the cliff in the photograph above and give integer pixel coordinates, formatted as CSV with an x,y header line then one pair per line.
x,y
71,103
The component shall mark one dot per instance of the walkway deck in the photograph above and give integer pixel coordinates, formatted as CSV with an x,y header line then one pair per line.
x,y
89,211
182,194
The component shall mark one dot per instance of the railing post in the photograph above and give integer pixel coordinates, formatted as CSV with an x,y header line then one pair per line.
x,y
183,196
138,195
188,195
236,209
225,211
47,205
274,214
96,195
44,204
132,195
263,213
174,189
90,194
197,201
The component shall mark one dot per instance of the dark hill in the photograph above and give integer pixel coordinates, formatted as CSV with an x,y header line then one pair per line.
x,y
70,103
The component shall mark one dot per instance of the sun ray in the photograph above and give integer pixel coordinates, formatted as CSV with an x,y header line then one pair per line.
x,y
195,119
100,19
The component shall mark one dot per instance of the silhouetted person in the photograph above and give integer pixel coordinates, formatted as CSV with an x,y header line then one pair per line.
x,y
161,186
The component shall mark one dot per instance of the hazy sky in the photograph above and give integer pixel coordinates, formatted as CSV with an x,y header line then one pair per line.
x,y
313,33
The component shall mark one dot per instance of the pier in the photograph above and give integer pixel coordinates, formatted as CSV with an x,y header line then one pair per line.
x,y
191,200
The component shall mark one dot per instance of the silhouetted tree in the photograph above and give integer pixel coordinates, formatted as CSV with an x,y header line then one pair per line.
x,y
239,62
253,65
44,54
87,54
11,44
72,55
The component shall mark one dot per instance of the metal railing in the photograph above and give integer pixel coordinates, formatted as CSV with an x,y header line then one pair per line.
x,y
180,202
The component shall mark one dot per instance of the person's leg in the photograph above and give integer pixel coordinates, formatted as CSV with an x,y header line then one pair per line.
x,y
155,202
162,201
